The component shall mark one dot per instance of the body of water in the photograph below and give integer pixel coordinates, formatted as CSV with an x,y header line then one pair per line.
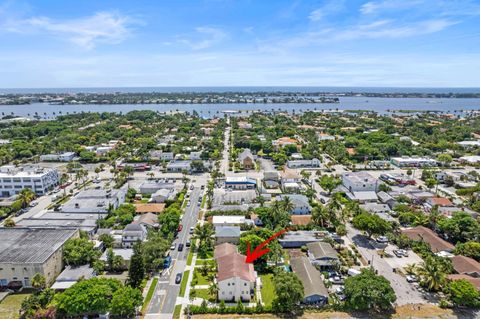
x,y
380,105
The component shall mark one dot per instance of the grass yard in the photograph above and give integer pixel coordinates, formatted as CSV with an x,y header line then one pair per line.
x,y
203,293
10,306
205,261
190,257
183,284
268,290
176,312
149,295
201,279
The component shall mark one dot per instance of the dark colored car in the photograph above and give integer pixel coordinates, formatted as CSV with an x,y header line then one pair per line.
x,y
180,247
178,278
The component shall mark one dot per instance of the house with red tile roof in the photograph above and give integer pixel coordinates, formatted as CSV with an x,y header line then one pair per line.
x,y
421,233
235,278
466,266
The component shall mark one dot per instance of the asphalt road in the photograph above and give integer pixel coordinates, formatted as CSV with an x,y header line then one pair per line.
x,y
166,292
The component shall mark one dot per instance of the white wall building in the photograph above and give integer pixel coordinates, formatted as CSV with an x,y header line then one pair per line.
x,y
62,157
359,182
413,161
14,179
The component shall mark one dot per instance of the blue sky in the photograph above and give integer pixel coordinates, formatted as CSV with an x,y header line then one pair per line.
x,y
401,43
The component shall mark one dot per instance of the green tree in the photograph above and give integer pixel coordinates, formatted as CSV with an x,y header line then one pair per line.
x,y
25,196
469,249
125,302
107,240
136,272
371,224
464,293
79,251
461,227
38,281
288,291
329,183
368,291
87,297
432,274
9,222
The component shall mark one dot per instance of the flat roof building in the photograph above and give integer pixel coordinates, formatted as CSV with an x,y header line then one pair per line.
x,y
40,180
95,201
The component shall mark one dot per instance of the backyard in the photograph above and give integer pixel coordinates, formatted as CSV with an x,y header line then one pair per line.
x,y
268,290
10,306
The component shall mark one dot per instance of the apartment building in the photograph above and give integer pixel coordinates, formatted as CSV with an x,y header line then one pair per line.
x,y
13,179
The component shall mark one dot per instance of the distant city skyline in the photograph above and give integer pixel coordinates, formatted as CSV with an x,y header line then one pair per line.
x,y
384,43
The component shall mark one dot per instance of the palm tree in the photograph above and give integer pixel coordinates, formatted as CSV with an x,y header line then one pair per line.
x,y
287,204
25,196
320,216
410,269
432,274
204,234
213,289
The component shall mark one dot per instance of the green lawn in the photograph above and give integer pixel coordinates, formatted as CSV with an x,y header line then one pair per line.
x,y
201,280
204,261
204,199
10,306
203,293
268,290
183,284
176,312
190,257
149,295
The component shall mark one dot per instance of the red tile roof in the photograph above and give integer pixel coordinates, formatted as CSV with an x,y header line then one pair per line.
x,y
430,237
300,219
465,265
224,249
440,201
234,265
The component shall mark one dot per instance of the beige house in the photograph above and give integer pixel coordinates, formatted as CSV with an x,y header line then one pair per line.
x,y
25,252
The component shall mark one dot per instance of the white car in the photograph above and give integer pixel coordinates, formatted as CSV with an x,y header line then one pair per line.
x,y
174,245
411,278
382,239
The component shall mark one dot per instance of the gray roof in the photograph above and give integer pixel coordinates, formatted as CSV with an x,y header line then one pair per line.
x,y
26,245
75,273
384,197
125,253
309,275
179,165
375,207
321,249
83,224
92,201
227,231
297,200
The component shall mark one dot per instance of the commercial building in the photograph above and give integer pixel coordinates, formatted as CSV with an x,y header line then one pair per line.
x,y
14,179
313,163
413,161
93,201
25,252
62,157
150,187
359,182
241,182
179,166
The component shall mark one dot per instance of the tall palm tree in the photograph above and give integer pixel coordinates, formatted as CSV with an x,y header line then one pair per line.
x,y
204,234
410,269
432,274
287,204
213,289
320,216
25,196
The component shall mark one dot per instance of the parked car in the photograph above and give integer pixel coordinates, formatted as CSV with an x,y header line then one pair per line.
x,y
382,239
180,247
180,227
191,187
174,245
411,278
33,204
400,253
178,278
191,230
188,244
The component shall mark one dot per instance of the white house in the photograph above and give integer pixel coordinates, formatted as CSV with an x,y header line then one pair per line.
x,y
235,278
413,161
133,233
228,220
300,204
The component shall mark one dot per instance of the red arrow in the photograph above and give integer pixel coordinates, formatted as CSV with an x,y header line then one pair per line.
x,y
259,252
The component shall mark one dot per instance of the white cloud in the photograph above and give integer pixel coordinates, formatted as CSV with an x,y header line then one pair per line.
x,y
373,7
204,38
86,32
328,8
